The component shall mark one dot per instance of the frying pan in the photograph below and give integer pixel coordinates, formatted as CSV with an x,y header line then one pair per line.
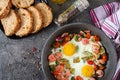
x,y
74,28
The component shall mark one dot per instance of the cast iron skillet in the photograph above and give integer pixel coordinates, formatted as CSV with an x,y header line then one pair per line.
x,y
73,28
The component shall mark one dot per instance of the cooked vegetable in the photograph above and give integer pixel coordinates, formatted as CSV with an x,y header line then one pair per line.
x,y
85,41
101,67
52,67
88,35
77,37
64,35
104,57
92,39
64,43
90,62
82,33
72,78
102,50
57,62
66,62
88,55
77,48
95,67
96,38
72,70
59,38
56,44
67,38
79,78
71,36
76,60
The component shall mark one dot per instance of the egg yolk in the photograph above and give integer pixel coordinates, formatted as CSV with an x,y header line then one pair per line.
x,y
87,71
69,49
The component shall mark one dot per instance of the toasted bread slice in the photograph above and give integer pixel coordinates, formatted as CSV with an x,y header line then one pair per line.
x,y
26,26
22,3
11,23
37,19
46,12
5,6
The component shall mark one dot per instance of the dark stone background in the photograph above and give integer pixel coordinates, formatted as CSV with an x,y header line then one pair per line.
x,y
20,58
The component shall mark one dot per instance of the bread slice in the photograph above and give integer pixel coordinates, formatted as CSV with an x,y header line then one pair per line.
x,y
22,3
26,26
46,12
5,6
11,23
37,19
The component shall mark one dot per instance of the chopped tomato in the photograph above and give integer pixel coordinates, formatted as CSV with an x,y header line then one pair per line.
x,y
104,57
96,38
60,74
64,43
85,41
101,67
60,68
90,62
55,72
62,64
95,67
67,38
59,77
52,58
88,35
56,44
79,78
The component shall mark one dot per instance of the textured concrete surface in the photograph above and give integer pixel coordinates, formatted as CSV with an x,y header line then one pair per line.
x,y
20,58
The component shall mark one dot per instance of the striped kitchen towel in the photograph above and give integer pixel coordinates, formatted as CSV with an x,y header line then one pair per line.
x,y
107,18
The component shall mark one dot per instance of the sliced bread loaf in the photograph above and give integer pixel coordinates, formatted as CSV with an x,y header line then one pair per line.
x,y
26,26
22,3
46,12
11,23
37,19
5,6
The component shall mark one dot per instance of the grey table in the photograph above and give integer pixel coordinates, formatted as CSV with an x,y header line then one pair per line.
x,y
19,58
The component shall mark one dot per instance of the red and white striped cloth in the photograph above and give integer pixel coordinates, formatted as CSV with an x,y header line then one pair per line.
x,y
107,18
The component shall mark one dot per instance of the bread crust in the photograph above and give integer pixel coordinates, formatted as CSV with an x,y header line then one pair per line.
x,y
11,26
22,3
46,12
26,25
37,19
6,9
